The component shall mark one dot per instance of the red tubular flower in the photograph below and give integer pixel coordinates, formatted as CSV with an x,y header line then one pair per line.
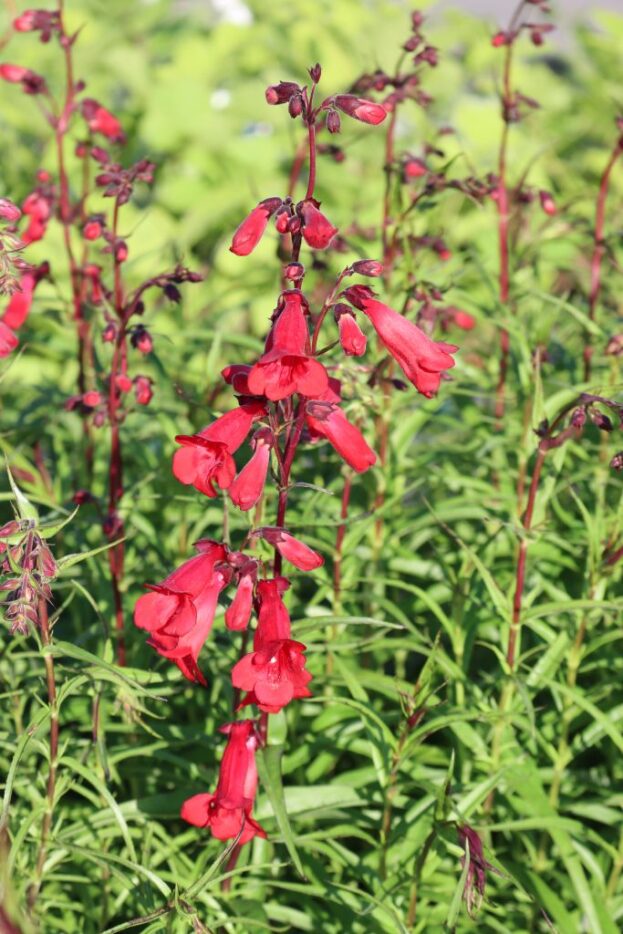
x,y
292,549
248,486
421,359
100,120
206,458
31,82
238,613
286,368
227,812
325,419
274,673
179,612
235,375
361,109
251,230
317,231
8,340
352,338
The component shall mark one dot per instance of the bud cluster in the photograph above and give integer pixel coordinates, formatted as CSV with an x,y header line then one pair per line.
x,y
27,568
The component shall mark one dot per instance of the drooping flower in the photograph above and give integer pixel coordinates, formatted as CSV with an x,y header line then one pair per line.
x,y
292,549
476,880
252,228
274,673
100,120
352,338
178,613
361,109
206,458
286,367
143,389
238,613
325,419
318,232
422,359
248,486
227,812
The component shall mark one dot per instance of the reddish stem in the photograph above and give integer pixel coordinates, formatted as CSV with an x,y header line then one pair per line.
x,y
599,250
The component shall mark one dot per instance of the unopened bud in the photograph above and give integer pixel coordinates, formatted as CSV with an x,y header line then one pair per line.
x,y
294,271
617,461
333,121
368,267
315,72
295,105
547,202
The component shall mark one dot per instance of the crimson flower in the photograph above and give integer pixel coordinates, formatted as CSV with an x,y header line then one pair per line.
x,y
38,209
352,338
317,231
227,812
292,549
100,120
274,673
248,486
421,359
361,109
179,612
238,612
251,230
285,367
206,458
325,419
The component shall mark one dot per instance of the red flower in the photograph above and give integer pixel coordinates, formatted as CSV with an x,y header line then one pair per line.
x,y
238,613
142,390
8,340
37,208
361,109
248,486
352,338
421,359
274,673
286,368
317,231
206,458
292,549
325,419
251,230
31,82
100,120
227,812
179,612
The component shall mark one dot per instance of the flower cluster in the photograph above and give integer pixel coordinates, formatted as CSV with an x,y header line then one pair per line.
x,y
27,568
286,398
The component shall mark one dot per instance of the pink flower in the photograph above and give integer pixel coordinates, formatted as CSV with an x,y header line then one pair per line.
x,y
179,612
143,390
9,211
251,230
286,368
361,109
317,231
421,359
37,208
227,812
274,673
248,486
206,458
100,120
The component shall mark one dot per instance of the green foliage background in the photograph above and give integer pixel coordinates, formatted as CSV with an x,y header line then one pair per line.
x,y
431,607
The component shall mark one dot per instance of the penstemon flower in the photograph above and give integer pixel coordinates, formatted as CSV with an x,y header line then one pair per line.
x,y
286,399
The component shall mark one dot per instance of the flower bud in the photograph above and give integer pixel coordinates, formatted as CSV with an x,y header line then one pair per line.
x,y
317,230
142,390
141,339
294,271
109,333
92,398
295,105
315,72
368,267
282,92
547,203
333,121
414,168
123,382
600,420
361,109
8,210
92,230
121,251
499,39
617,461
578,417
172,293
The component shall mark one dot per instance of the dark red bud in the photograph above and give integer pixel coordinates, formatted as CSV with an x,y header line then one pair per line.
x,y
282,92
295,105
368,267
333,121
294,271
315,72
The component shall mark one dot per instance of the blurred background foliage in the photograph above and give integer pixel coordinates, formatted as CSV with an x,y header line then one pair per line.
x,y
430,606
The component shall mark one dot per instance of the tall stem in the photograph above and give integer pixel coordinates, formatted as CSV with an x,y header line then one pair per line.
x,y
598,251
46,639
